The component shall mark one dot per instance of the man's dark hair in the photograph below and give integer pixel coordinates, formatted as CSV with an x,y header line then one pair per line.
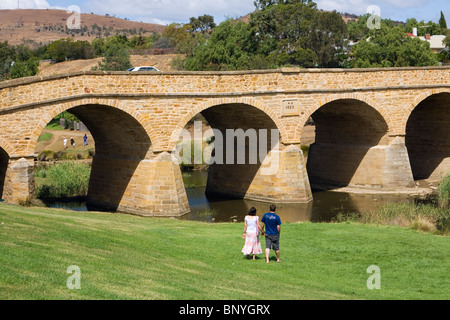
x,y
252,211
273,207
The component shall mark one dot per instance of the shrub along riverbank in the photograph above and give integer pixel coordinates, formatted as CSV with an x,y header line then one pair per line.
x,y
62,180
432,215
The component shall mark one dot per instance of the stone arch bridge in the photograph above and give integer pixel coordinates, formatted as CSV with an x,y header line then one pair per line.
x,y
375,128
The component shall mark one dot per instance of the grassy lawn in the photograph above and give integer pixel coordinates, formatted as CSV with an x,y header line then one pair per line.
x,y
129,257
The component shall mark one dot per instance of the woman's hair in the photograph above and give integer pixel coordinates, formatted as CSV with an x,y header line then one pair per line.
x,y
252,211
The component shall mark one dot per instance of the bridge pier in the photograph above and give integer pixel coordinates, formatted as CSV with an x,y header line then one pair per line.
x,y
397,171
281,177
148,187
383,167
18,185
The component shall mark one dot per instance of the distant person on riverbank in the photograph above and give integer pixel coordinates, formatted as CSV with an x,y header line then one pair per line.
x,y
72,142
65,142
85,140
272,224
252,228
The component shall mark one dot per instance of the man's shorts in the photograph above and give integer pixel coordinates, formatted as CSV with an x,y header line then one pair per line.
x,y
272,241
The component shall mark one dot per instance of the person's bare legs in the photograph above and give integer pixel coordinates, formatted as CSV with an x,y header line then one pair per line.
x,y
267,255
278,255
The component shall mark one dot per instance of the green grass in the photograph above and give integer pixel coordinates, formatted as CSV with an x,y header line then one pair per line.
x,y
444,192
54,125
46,136
65,179
129,257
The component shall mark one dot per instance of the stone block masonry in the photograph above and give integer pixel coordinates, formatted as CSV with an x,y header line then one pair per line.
x,y
375,128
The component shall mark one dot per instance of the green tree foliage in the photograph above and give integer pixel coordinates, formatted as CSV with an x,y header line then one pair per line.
x,y
423,27
116,56
262,4
16,62
231,46
26,68
67,49
328,31
357,29
6,59
294,32
202,23
183,39
139,42
442,22
447,38
390,47
283,32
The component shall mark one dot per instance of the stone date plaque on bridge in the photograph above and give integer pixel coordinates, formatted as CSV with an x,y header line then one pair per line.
x,y
290,108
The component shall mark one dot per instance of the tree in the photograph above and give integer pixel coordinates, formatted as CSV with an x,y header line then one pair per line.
x,y
24,68
202,23
357,29
390,47
59,50
231,46
447,38
423,27
283,31
67,49
262,4
6,59
82,50
442,22
182,38
328,31
116,57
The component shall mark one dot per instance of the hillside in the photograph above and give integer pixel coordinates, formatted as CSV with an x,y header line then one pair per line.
x,y
162,62
44,26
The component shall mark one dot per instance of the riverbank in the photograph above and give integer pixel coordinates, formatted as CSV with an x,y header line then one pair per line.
x,y
129,257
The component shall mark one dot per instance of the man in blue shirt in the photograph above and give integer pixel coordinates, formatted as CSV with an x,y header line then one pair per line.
x,y
272,223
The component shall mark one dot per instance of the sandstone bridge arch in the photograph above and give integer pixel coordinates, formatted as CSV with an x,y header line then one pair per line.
x,y
428,135
374,113
257,174
352,148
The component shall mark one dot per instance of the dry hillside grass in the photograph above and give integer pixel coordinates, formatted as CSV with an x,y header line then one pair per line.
x,y
20,26
162,62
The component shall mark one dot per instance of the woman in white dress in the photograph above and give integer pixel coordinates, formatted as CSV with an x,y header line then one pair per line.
x,y
251,234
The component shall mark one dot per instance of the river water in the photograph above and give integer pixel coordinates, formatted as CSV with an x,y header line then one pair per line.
x,y
325,204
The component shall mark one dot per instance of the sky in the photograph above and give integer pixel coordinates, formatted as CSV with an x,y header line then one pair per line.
x,y
168,11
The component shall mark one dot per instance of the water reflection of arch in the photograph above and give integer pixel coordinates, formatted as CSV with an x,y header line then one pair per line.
x,y
427,134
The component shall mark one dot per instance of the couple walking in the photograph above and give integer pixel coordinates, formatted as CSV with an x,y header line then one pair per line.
x,y
272,224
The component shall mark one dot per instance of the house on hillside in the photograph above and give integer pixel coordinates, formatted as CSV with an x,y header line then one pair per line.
x,y
436,42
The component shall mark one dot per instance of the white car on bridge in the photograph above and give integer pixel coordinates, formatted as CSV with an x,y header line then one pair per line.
x,y
144,68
